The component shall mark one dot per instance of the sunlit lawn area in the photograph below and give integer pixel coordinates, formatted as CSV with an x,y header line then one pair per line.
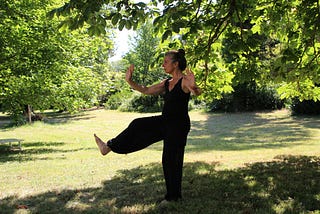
x,y
265,162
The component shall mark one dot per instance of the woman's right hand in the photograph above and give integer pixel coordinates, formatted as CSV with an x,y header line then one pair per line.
x,y
129,73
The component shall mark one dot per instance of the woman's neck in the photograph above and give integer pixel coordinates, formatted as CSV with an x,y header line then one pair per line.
x,y
177,75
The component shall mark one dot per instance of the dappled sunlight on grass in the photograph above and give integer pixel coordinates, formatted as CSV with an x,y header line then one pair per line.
x,y
229,166
245,131
286,184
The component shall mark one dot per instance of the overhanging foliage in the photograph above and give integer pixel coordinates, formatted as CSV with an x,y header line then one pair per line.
x,y
275,41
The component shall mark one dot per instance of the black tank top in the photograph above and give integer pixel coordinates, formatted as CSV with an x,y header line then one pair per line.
x,y
175,102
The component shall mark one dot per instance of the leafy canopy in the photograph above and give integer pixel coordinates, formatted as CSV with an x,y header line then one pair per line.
x,y
275,41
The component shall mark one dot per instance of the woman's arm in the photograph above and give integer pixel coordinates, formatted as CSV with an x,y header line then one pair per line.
x,y
189,84
151,90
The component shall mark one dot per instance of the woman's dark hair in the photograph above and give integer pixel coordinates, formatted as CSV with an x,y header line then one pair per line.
x,y
178,56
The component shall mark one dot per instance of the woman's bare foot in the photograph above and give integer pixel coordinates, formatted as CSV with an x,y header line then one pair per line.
x,y
103,147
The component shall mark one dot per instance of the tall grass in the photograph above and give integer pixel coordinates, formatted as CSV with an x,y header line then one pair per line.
x,y
234,163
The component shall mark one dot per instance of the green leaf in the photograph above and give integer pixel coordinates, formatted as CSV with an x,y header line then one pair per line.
x,y
256,29
141,4
176,27
122,23
115,19
166,34
91,30
102,29
128,25
157,20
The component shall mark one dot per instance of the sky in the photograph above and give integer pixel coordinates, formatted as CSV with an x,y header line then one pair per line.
x,y
121,43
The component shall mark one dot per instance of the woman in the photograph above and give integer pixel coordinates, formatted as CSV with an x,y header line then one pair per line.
x,y
172,126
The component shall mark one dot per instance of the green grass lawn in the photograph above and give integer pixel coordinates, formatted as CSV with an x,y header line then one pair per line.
x,y
234,163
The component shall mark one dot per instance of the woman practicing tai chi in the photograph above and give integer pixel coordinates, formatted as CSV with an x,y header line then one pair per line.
x,y
172,126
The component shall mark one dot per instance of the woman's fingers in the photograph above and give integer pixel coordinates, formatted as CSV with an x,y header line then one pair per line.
x,y
131,67
190,74
129,72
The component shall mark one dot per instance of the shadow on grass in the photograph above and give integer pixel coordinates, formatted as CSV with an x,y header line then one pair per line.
x,y
289,184
65,117
245,131
32,151
5,122
52,118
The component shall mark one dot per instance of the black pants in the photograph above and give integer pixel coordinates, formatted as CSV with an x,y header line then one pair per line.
x,y
143,132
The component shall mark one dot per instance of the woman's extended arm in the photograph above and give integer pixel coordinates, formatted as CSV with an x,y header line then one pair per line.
x,y
151,90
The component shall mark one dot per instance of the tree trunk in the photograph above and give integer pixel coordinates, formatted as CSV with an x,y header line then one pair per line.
x,y
29,114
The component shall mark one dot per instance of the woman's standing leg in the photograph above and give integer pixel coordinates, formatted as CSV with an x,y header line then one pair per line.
x,y
175,139
172,162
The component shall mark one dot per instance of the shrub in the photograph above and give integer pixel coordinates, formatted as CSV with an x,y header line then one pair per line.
x,y
248,97
142,103
306,107
117,99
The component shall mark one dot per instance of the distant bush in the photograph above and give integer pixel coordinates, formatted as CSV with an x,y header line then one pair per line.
x,y
129,101
113,84
248,97
306,107
142,103
117,99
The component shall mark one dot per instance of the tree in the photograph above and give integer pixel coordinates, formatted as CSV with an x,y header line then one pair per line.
x,y
292,27
143,49
43,67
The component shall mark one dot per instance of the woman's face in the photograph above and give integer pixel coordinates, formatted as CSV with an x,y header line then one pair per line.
x,y
168,65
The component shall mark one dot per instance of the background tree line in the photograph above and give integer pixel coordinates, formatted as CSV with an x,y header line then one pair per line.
x,y
45,67
247,55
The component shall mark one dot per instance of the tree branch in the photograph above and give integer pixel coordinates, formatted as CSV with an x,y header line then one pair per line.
x,y
218,30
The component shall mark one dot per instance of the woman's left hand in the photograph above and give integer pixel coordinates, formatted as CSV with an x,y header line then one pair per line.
x,y
129,73
191,83
190,76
